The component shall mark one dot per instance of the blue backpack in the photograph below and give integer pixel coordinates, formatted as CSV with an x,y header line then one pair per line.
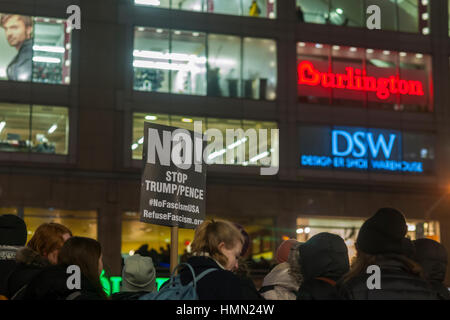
x,y
174,290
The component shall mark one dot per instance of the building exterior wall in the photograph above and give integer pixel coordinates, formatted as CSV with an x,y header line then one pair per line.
x,y
98,174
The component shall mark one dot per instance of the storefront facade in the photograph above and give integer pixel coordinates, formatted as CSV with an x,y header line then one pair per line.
x,y
362,116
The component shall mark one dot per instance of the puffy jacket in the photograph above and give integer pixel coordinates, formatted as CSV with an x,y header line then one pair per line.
x,y
282,285
28,264
323,261
397,283
217,285
432,256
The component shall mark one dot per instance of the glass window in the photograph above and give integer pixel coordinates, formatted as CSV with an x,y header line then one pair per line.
x,y
344,57
259,8
396,15
224,66
420,148
151,59
154,3
366,149
232,7
259,69
347,13
244,145
51,51
252,8
49,129
14,127
313,11
176,61
81,223
364,77
138,236
39,50
188,62
388,13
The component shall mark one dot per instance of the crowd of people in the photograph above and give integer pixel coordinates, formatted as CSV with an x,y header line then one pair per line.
x,y
318,269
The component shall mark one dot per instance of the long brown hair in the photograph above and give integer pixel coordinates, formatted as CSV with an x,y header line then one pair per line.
x,y
362,260
48,237
85,253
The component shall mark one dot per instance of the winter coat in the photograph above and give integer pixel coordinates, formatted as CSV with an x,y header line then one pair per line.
x,y
51,284
217,285
7,266
432,256
282,285
28,264
396,281
323,261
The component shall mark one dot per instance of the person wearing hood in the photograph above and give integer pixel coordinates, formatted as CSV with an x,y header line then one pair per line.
x,y
284,279
432,256
323,261
41,251
13,236
381,242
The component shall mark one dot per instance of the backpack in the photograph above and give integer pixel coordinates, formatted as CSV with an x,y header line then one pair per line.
x,y
175,290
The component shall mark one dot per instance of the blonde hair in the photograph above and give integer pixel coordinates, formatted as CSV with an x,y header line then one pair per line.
x,y
211,233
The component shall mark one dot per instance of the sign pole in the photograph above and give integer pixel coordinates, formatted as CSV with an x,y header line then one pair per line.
x,y
173,248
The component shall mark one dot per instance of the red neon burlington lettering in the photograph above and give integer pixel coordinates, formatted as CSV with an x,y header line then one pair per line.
x,y
354,79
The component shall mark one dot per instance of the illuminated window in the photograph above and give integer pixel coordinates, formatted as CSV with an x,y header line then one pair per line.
x,y
250,8
136,234
359,149
405,16
195,63
47,132
243,146
41,51
364,77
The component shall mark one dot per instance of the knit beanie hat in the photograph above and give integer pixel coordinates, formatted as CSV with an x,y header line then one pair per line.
x,y
282,253
384,232
138,274
13,231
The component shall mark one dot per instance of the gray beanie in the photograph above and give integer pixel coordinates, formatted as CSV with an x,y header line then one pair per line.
x,y
138,274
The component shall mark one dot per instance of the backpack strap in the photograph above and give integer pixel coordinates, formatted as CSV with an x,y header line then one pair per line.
x,y
18,292
204,273
73,295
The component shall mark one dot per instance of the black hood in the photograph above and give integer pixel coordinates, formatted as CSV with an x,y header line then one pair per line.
x,y
324,255
432,256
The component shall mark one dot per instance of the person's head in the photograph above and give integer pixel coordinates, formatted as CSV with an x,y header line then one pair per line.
x,y
17,28
384,233
138,274
13,231
221,240
283,251
323,255
86,253
432,257
381,238
48,239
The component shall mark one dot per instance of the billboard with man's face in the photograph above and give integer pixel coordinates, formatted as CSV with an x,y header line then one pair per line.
x,y
34,49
